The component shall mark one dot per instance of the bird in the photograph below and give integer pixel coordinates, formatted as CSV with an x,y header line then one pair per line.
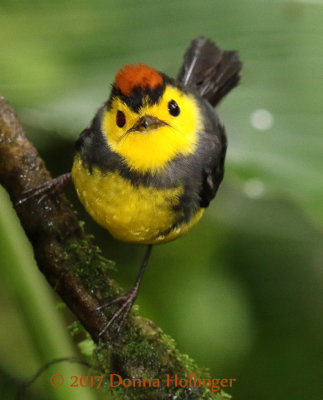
x,y
152,158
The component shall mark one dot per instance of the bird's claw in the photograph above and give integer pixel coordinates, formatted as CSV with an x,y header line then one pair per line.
x,y
45,190
121,314
34,192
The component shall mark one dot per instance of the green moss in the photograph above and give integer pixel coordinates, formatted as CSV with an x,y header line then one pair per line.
x,y
145,352
141,350
87,347
75,328
91,266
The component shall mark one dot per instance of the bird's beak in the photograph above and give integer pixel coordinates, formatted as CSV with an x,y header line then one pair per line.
x,y
147,123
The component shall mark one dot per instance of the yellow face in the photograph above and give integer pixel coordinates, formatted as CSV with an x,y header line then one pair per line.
x,y
149,139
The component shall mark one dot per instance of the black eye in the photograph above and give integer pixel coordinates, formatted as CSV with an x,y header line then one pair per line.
x,y
121,119
173,108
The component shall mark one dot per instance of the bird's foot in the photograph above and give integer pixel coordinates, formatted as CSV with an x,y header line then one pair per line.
x,y
47,189
127,300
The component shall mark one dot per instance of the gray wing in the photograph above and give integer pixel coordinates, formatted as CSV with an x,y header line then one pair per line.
x,y
214,149
211,73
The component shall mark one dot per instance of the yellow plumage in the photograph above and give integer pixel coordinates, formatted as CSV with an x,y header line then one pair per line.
x,y
153,150
130,213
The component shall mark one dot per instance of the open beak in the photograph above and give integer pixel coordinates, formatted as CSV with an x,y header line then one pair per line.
x,y
147,123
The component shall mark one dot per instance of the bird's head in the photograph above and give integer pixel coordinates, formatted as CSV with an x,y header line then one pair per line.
x,y
149,120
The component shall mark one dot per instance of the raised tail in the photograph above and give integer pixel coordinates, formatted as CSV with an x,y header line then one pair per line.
x,y
209,70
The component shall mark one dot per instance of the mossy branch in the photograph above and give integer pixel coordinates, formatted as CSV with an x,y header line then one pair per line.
x,y
76,270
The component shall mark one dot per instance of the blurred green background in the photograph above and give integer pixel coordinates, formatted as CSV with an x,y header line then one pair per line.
x,y
242,292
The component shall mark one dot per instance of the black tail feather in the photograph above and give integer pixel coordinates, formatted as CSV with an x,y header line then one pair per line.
x,y
209,70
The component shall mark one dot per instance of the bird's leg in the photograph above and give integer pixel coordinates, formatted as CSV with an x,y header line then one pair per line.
x,y
127,299
47,189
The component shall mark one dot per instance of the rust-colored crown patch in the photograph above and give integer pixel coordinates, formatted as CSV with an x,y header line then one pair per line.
x,y
137,75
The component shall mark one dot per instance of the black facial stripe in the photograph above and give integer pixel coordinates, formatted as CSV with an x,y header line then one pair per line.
x,y
135,100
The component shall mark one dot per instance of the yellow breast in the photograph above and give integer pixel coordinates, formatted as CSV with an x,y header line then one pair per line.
x,y
130,213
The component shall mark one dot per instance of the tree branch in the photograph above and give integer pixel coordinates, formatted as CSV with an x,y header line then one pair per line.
x,y
76,270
